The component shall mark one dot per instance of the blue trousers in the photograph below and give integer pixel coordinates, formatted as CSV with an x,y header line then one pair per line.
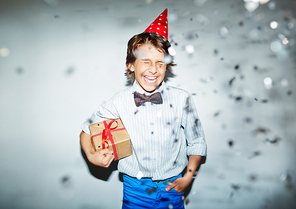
x,y
145,193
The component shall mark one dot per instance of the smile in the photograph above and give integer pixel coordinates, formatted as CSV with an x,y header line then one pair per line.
x,y
150,79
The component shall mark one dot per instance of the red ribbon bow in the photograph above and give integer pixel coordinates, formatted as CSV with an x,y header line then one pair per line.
x,y
106,135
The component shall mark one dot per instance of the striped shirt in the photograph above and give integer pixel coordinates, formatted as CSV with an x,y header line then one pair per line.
x,y
162,135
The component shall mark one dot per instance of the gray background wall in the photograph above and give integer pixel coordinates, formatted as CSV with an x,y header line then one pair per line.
x,y
60,59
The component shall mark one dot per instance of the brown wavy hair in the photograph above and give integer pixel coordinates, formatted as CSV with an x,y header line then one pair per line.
x,y
154,39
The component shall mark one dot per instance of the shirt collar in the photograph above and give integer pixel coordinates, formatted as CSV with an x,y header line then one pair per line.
x,y
139,89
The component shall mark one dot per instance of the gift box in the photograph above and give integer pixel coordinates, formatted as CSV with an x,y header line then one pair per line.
x,y
111,134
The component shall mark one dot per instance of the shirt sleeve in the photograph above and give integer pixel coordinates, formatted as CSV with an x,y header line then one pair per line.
x,y
195,138
105,111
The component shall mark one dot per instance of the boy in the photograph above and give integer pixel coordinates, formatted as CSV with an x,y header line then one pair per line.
x,y
162,123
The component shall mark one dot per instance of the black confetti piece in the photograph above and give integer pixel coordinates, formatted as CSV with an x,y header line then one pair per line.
x,y
187,201
273,141
238,98
150,191
65,179
235,186
261,130
217,113
136,112
90,120
252,177
236,67
164,199
20,70
289,92
70,71
248,120
125,201
230,143
231,81
255,154
196,122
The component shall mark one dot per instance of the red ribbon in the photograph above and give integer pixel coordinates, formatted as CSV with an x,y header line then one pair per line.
x,y
106,135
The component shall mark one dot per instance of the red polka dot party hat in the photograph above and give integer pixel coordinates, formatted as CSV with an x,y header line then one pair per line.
x,y
160,25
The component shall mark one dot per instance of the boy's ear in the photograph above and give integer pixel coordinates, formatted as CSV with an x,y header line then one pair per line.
x,y
130,66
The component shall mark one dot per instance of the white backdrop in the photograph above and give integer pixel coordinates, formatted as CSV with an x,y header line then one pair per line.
x,y
60,59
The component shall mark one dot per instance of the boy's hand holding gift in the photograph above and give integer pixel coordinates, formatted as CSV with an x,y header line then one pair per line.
x,y
102,158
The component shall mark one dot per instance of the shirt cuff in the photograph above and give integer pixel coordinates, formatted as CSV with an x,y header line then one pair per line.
x,y
199,149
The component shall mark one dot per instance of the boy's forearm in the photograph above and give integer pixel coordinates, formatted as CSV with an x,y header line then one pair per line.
x,y
193,163
85,142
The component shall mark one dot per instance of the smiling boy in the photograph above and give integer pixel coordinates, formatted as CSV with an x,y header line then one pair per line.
x,y
163,125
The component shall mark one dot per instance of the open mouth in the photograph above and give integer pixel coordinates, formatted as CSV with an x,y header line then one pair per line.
x,y
150,79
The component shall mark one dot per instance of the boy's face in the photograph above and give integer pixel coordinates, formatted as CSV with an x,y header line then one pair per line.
x,y
149,67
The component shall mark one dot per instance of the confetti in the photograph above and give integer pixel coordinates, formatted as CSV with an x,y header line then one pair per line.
x,y
230,143
255,154
189,49
273,24
150,191
268,82
187,201
261,130
231,81
252,177
251,6
167,59
284,82
271,5
217,113
164,199
272,141
172,51
223,31
4,52
276,46
235,186
247,119
19,70
140,175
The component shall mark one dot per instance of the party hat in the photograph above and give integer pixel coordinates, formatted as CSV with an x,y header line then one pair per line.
x,y
160,25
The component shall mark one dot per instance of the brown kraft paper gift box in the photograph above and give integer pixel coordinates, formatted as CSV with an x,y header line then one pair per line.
x,y
114,135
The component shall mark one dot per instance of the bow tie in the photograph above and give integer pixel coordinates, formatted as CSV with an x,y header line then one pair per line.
x,y
142,98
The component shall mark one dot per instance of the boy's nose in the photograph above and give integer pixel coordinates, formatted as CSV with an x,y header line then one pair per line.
x,y
153,68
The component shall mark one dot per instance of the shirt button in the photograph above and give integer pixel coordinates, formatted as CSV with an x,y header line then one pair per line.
x,y
154,170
